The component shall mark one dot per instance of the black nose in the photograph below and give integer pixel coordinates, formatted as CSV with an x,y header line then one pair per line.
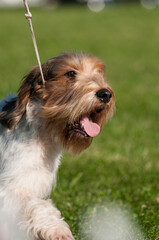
x,y
104,95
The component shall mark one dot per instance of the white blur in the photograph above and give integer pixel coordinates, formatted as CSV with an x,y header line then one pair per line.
x,y
96,5
149,4
111,224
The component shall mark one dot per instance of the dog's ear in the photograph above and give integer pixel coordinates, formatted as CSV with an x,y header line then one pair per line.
x,y
14,109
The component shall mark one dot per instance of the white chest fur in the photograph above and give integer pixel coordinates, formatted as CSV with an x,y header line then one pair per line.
x,y
24,167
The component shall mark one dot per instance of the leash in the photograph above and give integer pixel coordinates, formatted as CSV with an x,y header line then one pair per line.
x,y
28,16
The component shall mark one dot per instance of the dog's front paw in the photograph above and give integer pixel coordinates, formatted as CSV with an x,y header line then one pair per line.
x,y
60,232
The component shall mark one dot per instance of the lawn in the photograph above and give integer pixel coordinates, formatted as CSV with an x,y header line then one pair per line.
x,y
122,164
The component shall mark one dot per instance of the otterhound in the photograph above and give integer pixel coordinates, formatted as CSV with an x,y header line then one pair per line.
x,y
37,124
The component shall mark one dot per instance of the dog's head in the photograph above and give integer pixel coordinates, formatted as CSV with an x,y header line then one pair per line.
x,y
75,102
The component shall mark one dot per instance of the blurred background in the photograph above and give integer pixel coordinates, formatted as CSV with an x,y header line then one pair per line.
x,y
96,4
122,164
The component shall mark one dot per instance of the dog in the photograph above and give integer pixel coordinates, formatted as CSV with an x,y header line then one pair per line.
x,y
66,112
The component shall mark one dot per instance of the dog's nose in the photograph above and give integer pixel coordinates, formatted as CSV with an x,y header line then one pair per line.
x,y
104,95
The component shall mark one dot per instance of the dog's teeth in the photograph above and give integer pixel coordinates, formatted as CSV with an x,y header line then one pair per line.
x,y
82,126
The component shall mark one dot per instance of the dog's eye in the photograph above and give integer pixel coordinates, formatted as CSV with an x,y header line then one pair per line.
x,y
71,74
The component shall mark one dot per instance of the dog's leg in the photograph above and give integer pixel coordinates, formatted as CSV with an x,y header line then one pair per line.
x,y
43,221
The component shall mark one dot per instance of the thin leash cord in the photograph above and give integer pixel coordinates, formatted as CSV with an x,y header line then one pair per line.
x,y
28,16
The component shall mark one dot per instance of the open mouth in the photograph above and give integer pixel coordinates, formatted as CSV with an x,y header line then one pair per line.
x,y
85,126
77,128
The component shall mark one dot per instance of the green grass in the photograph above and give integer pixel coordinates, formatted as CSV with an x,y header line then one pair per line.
x,y
122,164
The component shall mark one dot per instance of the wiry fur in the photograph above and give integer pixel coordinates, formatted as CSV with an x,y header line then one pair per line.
x,y
35,127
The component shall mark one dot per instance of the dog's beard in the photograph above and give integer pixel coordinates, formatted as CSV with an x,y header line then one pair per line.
x,y
76,135
75,142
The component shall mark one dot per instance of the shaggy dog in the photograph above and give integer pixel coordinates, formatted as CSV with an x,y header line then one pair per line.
x,y
37,124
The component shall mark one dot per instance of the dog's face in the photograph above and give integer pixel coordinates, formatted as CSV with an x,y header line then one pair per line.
x,y
76,100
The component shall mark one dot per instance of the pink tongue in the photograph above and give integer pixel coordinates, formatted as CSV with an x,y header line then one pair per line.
x,y
91,128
